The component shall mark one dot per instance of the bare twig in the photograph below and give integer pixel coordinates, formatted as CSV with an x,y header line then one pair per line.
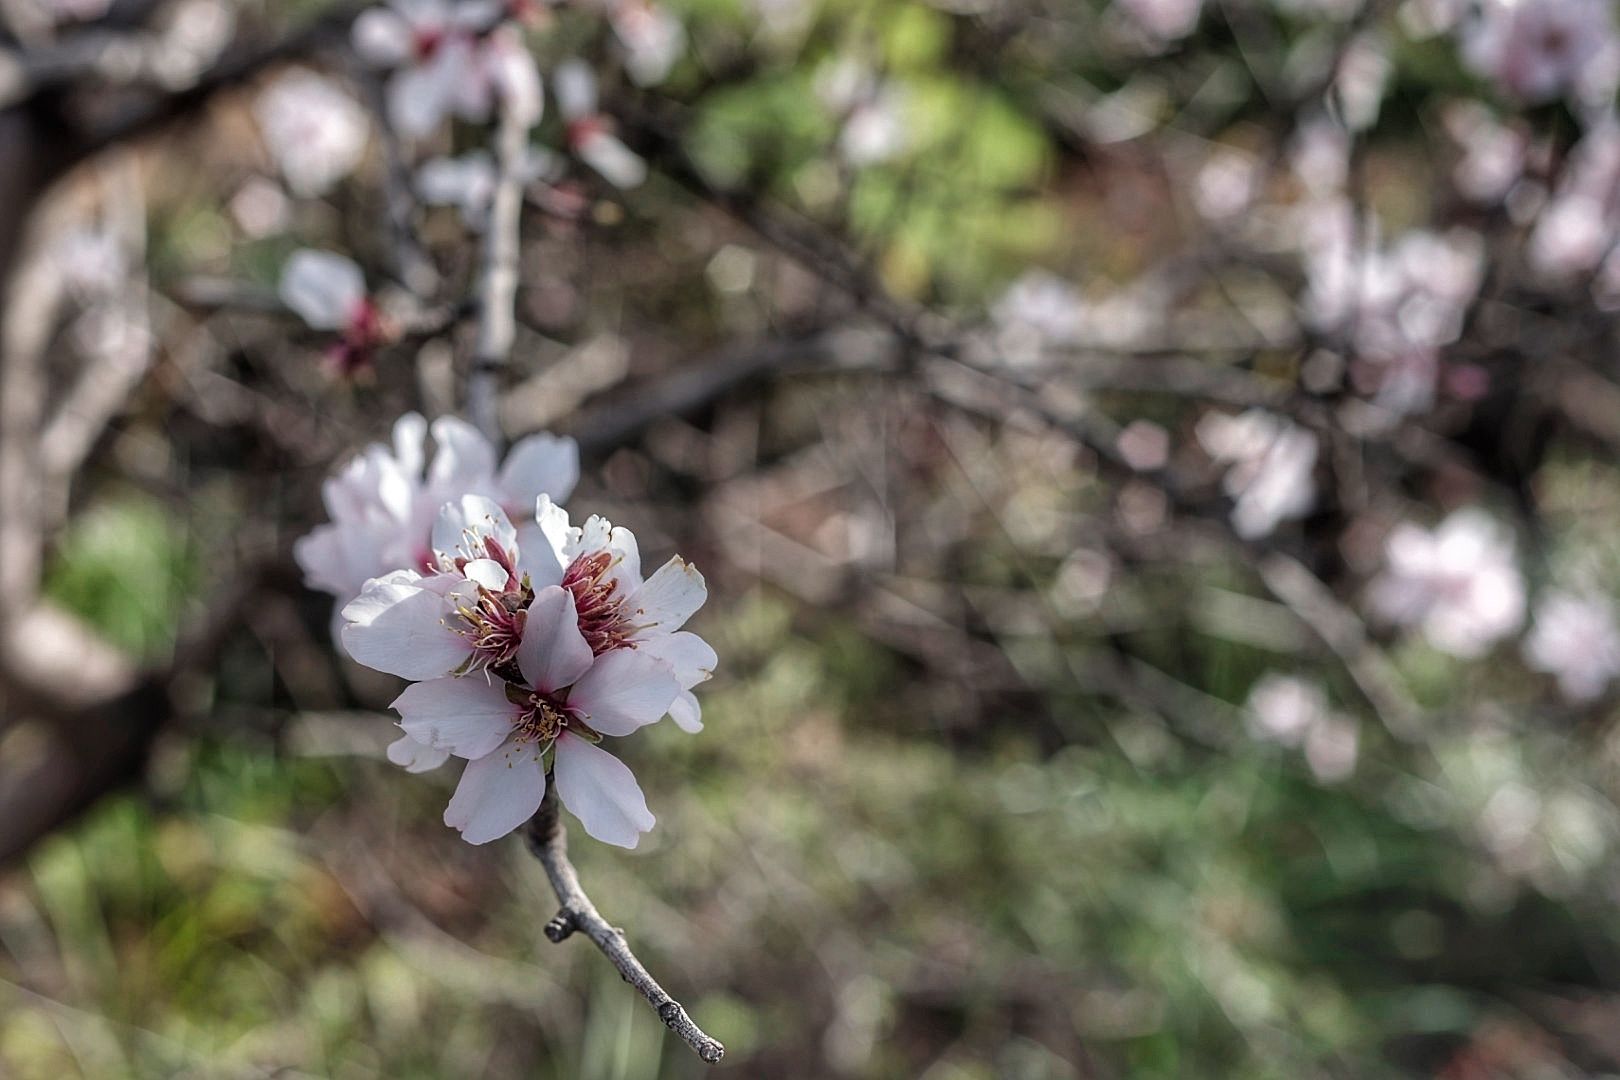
x,y
497,318
548,840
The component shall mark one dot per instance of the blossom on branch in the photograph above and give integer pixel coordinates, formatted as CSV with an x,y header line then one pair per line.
x,y
328,292
1575,639
526,651
589,132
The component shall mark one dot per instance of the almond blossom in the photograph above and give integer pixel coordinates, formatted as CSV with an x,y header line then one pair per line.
x,y
1459,583
385,501
1575,638
1271,461
328,291
1537,50
520,650
468,182
551,704
314,131
590,133
446,60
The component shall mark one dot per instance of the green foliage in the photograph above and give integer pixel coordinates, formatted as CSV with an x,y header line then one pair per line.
x,y
124,566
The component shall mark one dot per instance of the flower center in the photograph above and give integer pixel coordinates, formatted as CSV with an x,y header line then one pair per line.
x,y
545,716
597,602
493,625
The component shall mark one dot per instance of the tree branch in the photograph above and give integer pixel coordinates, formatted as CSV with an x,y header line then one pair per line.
x,y
497,317
548,841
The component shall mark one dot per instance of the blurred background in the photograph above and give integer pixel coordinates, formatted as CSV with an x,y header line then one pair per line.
x,y
1153,464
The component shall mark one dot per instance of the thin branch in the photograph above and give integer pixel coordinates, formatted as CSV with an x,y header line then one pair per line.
x,y
497,318
548,841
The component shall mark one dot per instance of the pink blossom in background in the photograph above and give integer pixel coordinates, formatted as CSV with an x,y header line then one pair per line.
x,y
1536,50
1459,584
315,132
1271,462
1575,638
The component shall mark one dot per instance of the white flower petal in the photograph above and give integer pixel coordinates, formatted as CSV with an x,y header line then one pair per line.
x,y
688,655
463,525
486,572
415,757
542,464
612,160
669,597
399,628
601,791
624,690
464,460
536,557
687,713
552,654
497,793
575,86
321,287
418,98
381,38
469,717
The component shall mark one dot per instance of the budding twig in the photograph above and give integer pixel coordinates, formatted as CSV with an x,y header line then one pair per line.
x,y
548,841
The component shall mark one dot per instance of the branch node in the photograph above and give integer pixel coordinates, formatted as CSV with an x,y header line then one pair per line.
x,y
561,926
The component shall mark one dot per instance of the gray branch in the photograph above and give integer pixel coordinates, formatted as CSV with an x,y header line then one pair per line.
x,y
548,841
497,317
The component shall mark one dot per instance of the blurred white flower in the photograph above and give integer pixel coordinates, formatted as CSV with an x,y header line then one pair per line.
x,y
315,132
1271,461
260,208
1537,50
1294,712
468,182
446,61
589,133
1226,184
1166,20
652,37
1578,226
1459,583
1282,708
1493,154
1575,638
328,291
1038,310
870,111
383,502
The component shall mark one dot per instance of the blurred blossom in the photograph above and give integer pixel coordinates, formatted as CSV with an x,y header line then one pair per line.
x,y
1283,708
1166,20
1459,583
1537,50
1320,156
315,132
652,37
1362,79
1144,445
1397,306
1227,184
1038,310
1579,223
1332,747
468,182
259,208
328,291
589,133
1294,712
870,109
444,63
1493,153
1575,639
1270,464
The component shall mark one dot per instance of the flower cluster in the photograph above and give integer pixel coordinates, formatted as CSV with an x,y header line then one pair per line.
x,y
526,644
